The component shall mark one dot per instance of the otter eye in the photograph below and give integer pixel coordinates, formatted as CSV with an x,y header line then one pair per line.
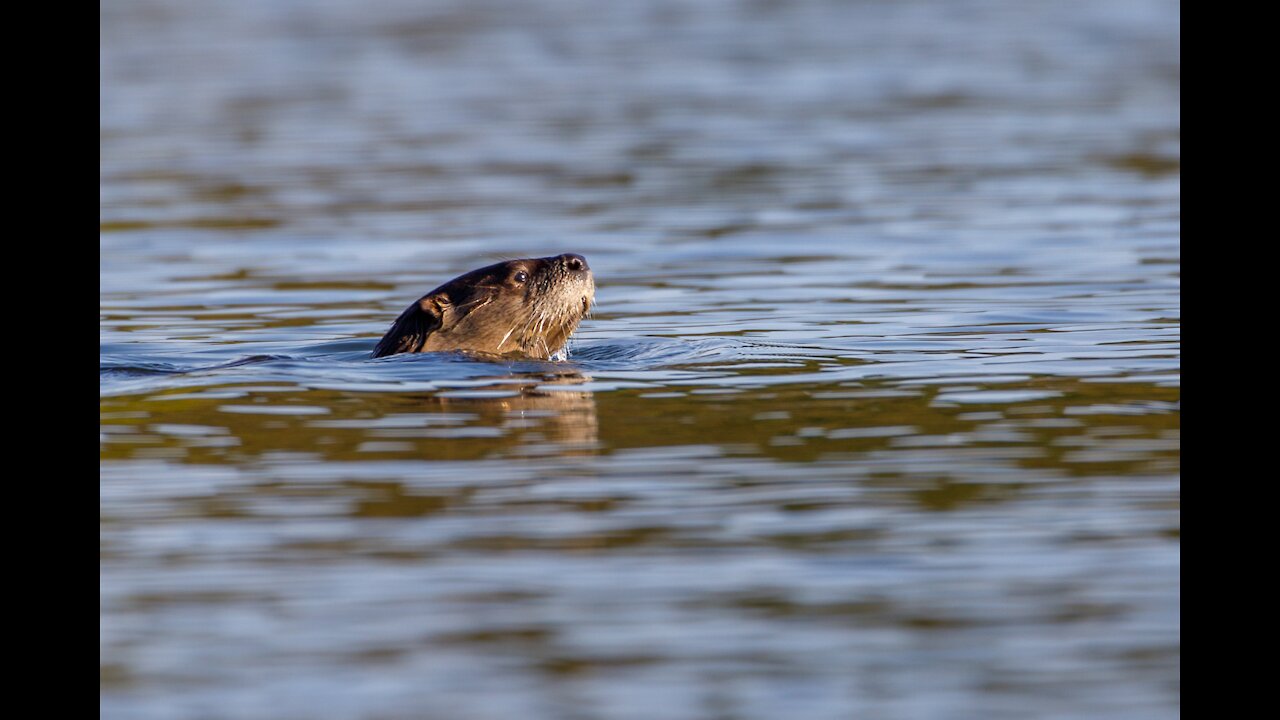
x,y
520,276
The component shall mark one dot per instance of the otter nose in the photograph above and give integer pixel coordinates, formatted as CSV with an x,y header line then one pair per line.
x,y
575,262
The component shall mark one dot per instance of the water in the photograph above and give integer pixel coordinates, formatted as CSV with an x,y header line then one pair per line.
x,y
877,414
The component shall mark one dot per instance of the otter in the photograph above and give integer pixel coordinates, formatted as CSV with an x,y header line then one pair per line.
x,y
524,307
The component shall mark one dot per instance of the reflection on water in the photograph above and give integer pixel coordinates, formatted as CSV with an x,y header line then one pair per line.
x,y
877,415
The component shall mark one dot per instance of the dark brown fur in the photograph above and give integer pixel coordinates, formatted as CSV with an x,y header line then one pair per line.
x,y
519,307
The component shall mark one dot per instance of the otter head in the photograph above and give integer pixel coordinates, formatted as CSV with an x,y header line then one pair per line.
x,y
519,307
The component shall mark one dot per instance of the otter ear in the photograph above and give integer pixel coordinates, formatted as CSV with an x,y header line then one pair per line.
x,y
411,329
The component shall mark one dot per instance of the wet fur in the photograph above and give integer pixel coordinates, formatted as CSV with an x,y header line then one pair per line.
x,y
490,311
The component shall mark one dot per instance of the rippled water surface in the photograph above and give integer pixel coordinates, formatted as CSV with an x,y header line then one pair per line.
x,y
877,415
